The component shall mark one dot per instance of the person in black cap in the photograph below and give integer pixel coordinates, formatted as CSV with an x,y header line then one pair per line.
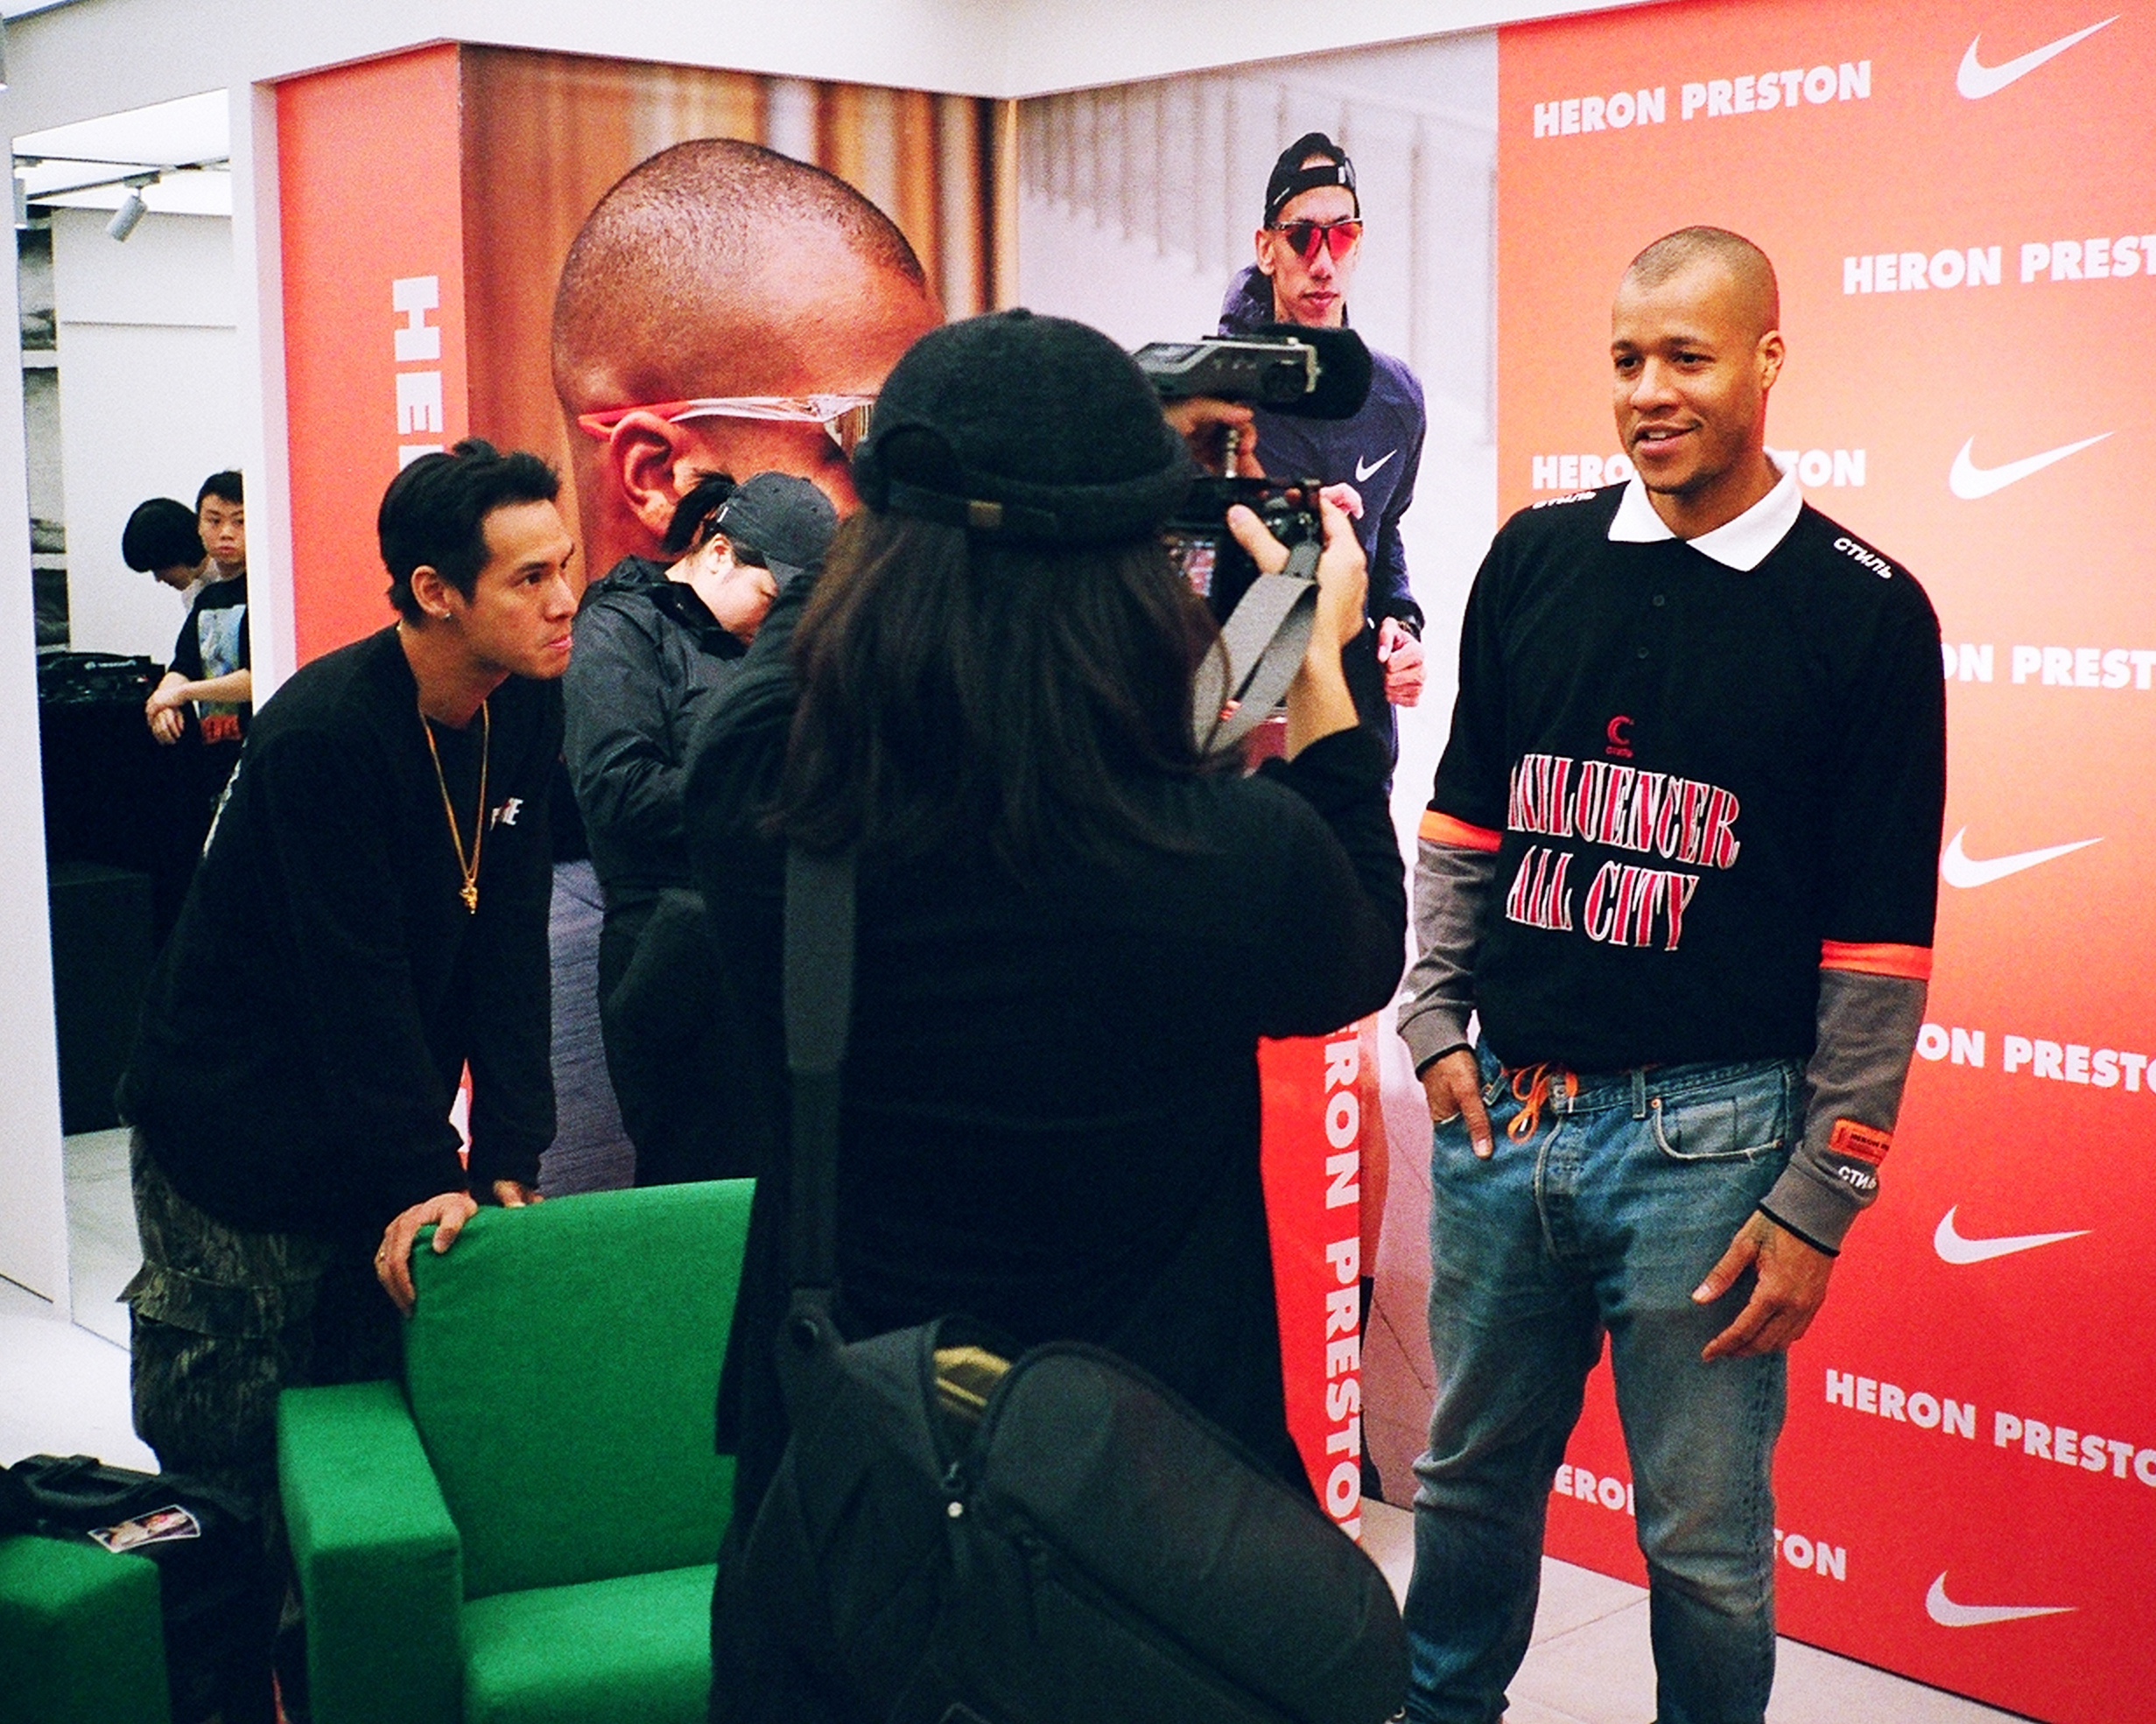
x,y
1307,250
1072,928
654,643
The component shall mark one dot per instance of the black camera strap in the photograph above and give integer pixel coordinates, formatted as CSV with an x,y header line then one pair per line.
x,y
1262,646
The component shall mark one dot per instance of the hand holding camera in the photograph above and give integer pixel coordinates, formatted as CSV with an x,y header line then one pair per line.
x,y
1318,702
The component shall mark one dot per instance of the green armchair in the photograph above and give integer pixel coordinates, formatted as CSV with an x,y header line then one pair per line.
x,y
81,1641
524,1532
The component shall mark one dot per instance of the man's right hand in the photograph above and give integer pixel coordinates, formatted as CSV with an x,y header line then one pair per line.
x,y
1205,423
1453,1085
445,1215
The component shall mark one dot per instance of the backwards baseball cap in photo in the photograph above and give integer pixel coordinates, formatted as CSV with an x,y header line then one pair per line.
x,y
1291,179
785,521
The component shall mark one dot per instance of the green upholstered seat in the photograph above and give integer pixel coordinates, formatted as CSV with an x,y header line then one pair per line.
x,y
525,1531
80,1638
614,1652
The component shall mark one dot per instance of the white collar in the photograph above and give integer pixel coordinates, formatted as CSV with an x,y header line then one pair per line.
x,y
1743,544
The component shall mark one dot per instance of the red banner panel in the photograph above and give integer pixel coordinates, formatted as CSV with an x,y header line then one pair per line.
x,y
1958,199
1320,1100
371,197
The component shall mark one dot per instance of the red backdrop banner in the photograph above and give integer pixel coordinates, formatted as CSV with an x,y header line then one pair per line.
x,y
1959,200
1320,1109
368,176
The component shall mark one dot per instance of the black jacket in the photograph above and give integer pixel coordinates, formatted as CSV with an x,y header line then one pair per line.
x,y
1051,1097
648,657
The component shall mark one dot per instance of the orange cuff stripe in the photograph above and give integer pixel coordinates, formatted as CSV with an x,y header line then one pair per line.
x,y
1443,829
1912,964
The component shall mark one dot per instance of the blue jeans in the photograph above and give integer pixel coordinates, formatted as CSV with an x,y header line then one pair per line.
x,y
1602,1220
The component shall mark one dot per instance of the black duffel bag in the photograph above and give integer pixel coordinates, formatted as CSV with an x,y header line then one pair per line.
x,y
953,1537
219,1596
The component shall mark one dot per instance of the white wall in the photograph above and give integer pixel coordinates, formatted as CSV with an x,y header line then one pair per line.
x,y
33,1219
149,402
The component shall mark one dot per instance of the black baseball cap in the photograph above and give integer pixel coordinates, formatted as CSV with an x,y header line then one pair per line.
x,y
1291,179
785,521
1022,427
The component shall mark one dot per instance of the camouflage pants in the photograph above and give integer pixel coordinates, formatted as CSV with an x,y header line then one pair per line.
x,y
224,1320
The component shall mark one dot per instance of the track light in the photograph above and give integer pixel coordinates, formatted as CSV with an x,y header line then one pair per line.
x,y
129,216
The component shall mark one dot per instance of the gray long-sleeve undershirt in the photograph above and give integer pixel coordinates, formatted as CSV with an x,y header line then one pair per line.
x,y
1866,1036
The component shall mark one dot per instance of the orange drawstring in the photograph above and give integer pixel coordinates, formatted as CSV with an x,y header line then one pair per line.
x,y
1531,1099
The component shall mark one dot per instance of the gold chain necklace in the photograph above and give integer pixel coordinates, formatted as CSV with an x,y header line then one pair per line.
x,y
469,890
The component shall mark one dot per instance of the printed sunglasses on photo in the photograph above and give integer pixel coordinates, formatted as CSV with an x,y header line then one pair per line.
x,y
1339,237
845,416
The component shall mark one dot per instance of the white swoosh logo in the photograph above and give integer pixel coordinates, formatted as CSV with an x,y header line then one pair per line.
x,y
1363,472
1957,868
1953,1248
1949,1615
1977,81
1969,482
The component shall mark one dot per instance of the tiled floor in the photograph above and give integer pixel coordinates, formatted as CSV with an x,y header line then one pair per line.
x,y
63,1391
63,1386
1588,1663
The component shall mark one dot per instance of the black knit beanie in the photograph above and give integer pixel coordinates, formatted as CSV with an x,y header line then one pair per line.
x,y
1024,427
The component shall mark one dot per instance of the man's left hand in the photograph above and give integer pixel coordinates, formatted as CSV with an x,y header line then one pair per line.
x,y
1790,1288
447,1216
1402,656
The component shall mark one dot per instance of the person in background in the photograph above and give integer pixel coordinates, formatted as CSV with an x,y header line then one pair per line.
x,y
724,310
209,672
655,644
162,538
199,711
220,516
1306,247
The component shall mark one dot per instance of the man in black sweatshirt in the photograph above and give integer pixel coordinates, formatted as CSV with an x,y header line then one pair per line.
x,y
368,921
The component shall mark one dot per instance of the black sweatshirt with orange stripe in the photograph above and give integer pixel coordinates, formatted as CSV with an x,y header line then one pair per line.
x,y
1691,813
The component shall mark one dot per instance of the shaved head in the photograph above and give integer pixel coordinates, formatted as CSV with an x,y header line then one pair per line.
x,y
1757,301
720,268
712,237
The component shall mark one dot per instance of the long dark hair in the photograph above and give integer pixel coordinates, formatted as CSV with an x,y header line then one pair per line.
x,y
960,695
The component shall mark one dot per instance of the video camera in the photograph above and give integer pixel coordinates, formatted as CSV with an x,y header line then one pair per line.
x,y
1313,374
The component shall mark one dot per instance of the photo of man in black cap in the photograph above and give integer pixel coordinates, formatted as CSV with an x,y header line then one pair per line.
x,y
1307,250
655,642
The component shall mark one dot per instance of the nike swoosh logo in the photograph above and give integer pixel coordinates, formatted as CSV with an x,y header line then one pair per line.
x,y
1363,472
1977,81
1949,1615
1956,868
1969,482
1953,1248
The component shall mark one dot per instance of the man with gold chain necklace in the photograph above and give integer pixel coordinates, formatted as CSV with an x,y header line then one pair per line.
x,y
372,903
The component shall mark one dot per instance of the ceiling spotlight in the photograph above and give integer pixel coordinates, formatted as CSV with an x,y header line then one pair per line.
x,y
129,216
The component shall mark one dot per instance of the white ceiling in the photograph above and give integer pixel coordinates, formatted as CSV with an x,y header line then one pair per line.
x,y
166,134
